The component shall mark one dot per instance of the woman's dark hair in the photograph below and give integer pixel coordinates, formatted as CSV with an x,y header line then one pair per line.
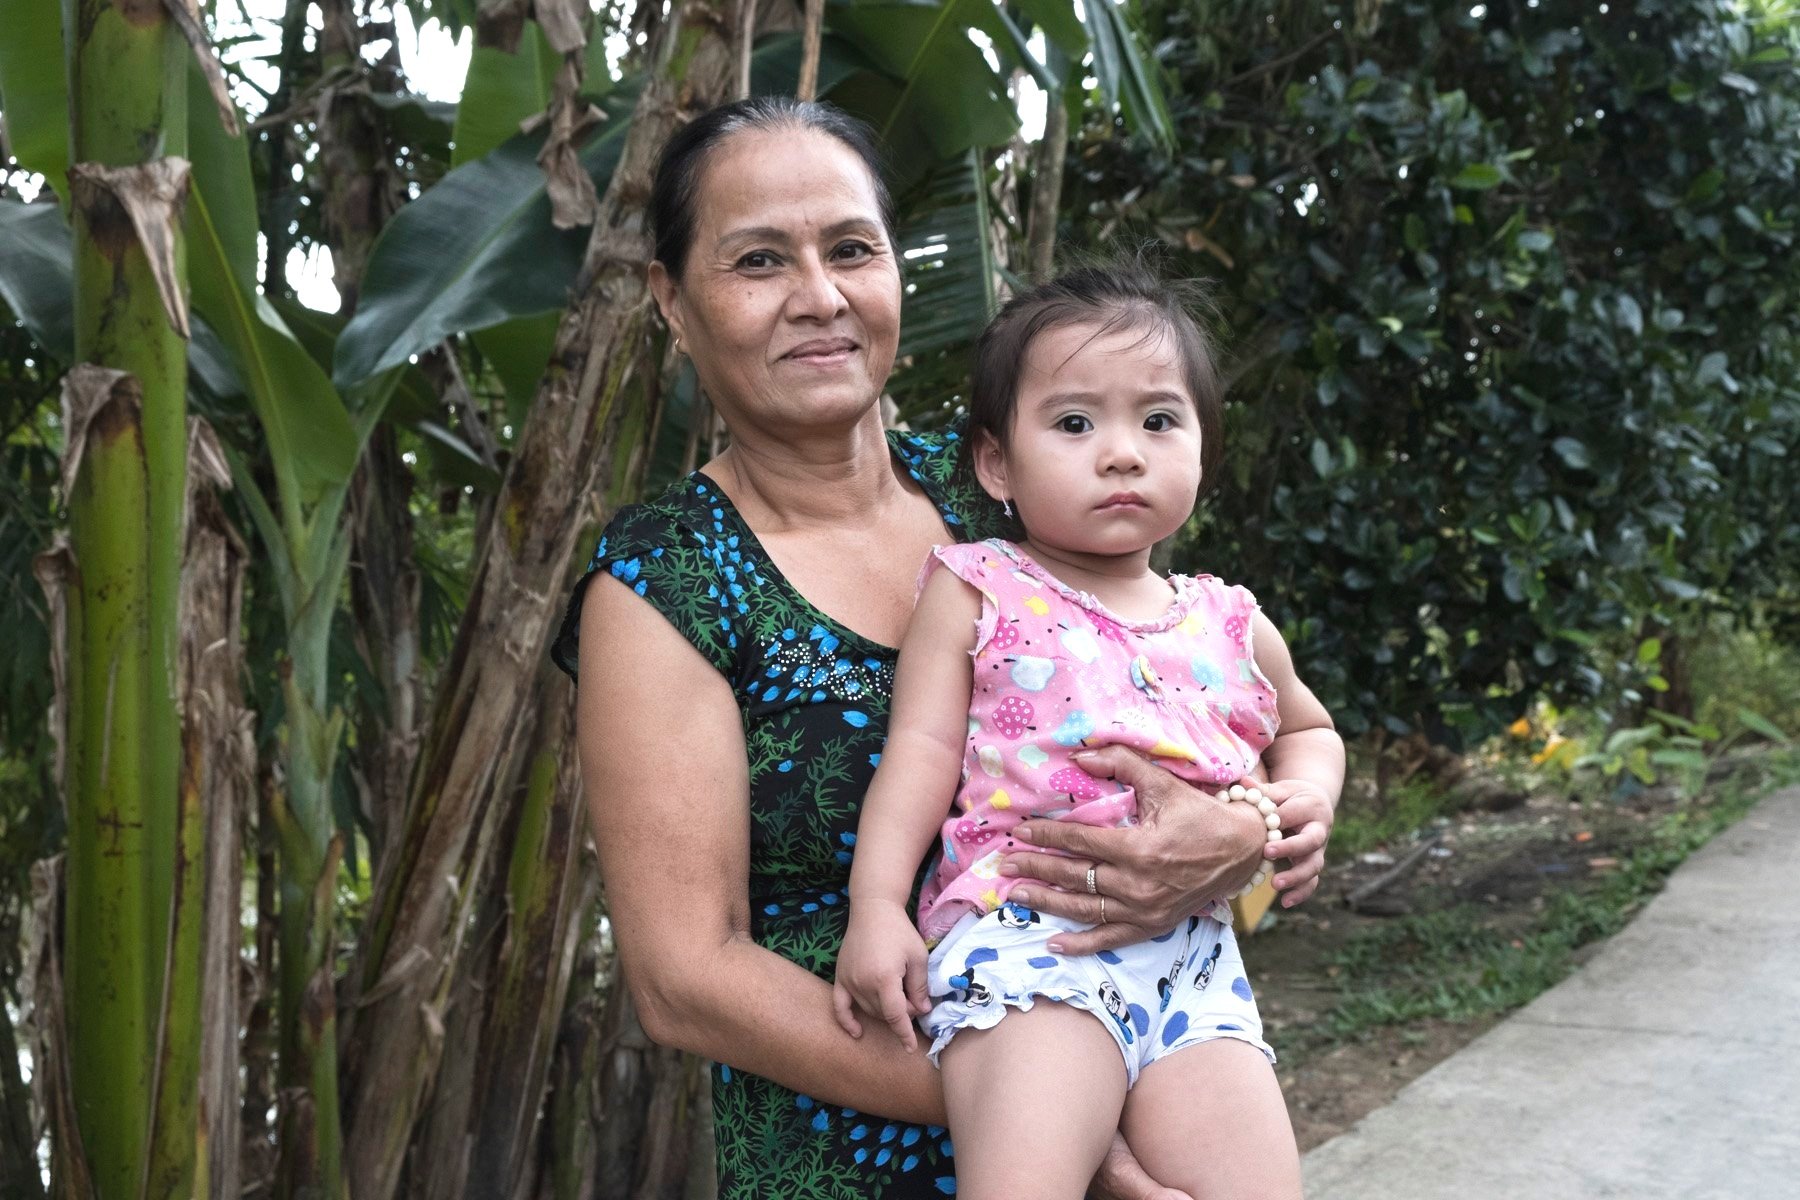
x,y
673,195
1131,294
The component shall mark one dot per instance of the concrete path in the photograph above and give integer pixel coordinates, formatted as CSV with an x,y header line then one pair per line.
x,y
1667,1067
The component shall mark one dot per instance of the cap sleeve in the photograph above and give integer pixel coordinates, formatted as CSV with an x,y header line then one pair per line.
x,y
974,564
648,548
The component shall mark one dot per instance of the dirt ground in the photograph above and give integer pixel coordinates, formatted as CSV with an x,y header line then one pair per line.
x,y
1507,861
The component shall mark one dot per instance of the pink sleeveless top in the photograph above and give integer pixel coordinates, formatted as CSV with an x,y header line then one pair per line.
x,y
1054,671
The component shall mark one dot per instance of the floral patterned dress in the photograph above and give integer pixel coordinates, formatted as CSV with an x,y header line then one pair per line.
x,y
814,699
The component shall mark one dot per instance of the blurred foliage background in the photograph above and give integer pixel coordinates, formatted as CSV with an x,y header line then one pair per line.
x,y
1506,294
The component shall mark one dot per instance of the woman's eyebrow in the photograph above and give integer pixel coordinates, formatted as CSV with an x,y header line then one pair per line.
x,y
772,233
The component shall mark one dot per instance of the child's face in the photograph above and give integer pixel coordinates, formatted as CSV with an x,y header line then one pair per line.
x,y
1104,454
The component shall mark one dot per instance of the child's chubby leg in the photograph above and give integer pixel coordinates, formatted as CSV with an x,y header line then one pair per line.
x,y
1210,1119
1034,1103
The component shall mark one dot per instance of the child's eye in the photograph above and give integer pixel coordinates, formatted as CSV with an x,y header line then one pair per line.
x,y
1159,422
1073,424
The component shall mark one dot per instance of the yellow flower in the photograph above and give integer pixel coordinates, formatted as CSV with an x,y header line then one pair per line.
x,y
1549,751
1520,728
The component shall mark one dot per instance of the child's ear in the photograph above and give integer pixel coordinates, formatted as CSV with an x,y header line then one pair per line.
x,y
990,466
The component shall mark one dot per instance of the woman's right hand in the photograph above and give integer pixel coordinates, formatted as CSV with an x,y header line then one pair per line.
x,y
881,970
1122,1177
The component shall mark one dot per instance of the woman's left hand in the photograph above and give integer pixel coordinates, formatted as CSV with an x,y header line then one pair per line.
x,y
1186,850
1122,1177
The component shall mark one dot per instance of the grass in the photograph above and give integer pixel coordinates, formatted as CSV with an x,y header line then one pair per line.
x,y
1456,965
1405,807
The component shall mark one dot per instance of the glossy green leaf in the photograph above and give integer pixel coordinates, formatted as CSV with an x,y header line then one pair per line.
x,y
311,440
420,124
500,91
940,91
1477,177
1126,77
1572,452
454,259
37,285
36,275
947,256
518,351
1757,723
34,88
1061,25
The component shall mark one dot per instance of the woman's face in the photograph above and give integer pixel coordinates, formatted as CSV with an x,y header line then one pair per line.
x,y
789,304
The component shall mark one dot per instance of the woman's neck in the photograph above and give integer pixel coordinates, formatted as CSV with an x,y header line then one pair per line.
x,y
807,478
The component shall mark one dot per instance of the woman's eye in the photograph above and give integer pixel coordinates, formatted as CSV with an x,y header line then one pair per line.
x,y
1073,424
853,251
757,260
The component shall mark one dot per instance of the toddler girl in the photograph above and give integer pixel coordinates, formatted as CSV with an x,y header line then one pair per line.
x,y
1095,407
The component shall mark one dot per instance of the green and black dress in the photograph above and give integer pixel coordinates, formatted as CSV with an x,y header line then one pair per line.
x,y
814,699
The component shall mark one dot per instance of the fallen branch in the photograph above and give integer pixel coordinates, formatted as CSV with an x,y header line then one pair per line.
x,y
1360,894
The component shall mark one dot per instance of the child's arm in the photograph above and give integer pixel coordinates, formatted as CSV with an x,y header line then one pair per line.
x,y
1306,768
882,965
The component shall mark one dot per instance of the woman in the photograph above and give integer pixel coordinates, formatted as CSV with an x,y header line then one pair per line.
x,y
736,652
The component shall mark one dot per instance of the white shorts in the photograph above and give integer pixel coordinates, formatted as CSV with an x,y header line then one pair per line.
x,y
1154,997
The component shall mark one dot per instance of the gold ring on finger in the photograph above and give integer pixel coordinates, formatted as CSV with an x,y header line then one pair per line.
x,y
1093,885
1103,910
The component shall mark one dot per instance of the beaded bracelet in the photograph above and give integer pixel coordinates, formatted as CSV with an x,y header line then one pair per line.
x,y
1272,820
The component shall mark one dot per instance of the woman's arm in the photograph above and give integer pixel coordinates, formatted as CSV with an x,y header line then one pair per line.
x,y
667,782
1306,769
882,966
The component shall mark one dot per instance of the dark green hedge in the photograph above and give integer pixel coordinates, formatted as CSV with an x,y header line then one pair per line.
x,y
1509,298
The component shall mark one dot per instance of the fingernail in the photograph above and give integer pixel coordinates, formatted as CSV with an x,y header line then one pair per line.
x,y
1023,896
1008,869
1055,947
1023,833
1082,755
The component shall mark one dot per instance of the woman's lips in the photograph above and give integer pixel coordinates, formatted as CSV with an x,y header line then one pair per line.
x,y
823,352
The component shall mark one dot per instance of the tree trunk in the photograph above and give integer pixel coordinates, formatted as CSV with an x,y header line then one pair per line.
x,y
260,1035
218,767
131,930
594,386
1046,189
384,607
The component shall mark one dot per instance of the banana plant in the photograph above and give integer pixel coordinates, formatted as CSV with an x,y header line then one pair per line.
x,y
477,255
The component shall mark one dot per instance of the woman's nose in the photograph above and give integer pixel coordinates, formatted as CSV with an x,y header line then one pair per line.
x,y
815,293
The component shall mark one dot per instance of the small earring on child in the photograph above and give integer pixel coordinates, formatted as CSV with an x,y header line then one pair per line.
x,y
1006,506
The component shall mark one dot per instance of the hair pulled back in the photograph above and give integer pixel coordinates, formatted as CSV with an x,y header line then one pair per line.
x,y
1125,293
674,195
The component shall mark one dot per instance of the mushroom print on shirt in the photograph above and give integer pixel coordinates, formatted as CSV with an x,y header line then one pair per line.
x,y
1054,672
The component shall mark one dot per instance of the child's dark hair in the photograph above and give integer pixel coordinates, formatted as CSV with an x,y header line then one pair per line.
x,y
1120,293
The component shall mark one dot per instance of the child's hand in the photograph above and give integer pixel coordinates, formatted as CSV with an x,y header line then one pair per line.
x,y
881,970
1306,815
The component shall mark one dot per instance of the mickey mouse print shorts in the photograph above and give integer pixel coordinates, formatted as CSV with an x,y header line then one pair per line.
x,y
1156,997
